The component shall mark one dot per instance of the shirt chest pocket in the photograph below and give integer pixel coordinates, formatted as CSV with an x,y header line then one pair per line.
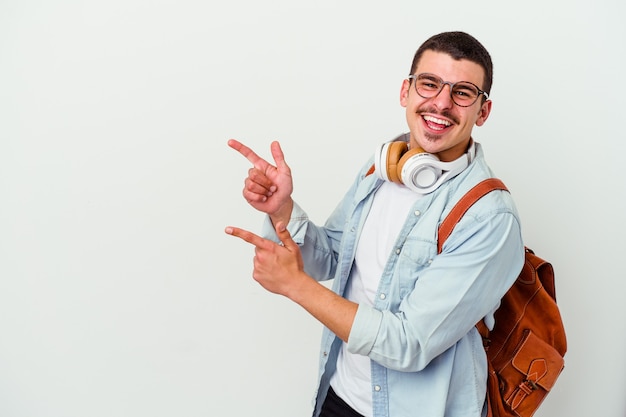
x,y
414,255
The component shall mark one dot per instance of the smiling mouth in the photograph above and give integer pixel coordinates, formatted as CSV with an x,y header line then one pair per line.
x,y
435,123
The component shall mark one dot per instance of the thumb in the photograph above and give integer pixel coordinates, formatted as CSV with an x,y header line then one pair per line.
x,y
284,236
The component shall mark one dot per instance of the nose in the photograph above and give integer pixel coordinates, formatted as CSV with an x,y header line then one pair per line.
x,y
443,99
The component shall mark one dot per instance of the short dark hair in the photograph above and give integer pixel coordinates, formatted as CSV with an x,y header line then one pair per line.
x,y
459,45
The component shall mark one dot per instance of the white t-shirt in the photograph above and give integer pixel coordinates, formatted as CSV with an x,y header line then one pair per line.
x,y
391,205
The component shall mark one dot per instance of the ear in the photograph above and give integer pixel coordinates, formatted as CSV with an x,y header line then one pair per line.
x,y
404,92
483,113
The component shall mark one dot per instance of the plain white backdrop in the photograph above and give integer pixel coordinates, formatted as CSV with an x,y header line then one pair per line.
x,y
120,294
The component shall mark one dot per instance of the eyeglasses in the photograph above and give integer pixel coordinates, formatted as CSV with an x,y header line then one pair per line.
x,y
462,93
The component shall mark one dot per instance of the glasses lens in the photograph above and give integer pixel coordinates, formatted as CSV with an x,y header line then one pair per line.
x,y
428,85
464,93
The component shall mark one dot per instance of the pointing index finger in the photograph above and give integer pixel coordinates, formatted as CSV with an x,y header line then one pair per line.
x,y
249,237
249,154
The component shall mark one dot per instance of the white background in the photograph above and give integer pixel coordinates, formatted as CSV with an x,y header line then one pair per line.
x,y
120,294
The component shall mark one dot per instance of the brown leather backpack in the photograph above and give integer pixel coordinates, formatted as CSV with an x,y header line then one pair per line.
x,y
526,347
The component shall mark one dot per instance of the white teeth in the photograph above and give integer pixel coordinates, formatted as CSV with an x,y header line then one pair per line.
x,y
438,121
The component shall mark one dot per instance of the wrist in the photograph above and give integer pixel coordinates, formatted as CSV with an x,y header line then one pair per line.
x,y
300,288
283,214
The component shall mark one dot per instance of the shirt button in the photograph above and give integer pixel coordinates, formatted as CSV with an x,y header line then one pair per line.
x,y
398,251
382,296
417,212
377,388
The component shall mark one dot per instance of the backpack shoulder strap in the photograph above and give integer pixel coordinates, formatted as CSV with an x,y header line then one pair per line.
x,y
476,193
445,228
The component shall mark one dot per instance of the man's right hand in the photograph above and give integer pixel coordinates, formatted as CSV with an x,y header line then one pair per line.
x,y
267,188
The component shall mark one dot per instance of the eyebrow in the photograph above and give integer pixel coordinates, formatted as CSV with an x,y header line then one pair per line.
x,y
429,76
434,77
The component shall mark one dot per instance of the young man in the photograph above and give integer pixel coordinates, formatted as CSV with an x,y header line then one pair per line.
x,y
400,337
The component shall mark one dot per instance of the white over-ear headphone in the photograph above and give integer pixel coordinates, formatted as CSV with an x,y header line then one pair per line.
x,y
417,169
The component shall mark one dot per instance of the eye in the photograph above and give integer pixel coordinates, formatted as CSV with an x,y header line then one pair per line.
x,y
465,91
428,83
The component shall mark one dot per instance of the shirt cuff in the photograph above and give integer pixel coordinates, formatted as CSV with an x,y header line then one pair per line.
x,y
364,330
296,226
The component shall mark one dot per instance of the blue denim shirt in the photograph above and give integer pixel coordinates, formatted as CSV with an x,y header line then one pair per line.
x,y
427,358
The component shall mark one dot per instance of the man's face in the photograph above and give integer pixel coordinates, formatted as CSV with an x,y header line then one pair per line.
x,y
437,124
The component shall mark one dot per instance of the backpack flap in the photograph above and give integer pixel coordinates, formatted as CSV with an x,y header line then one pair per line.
x,y
537,366
544,271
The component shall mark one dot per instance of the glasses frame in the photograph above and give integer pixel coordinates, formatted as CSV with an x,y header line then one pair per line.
x,y
451,84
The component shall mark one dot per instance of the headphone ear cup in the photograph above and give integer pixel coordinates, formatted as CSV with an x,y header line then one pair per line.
x,y
418,170
395,151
